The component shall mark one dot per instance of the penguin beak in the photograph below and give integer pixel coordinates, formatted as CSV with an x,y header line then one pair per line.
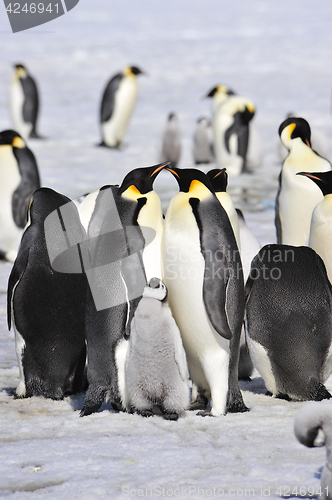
x,y
160,167
222,171
173,172
311,176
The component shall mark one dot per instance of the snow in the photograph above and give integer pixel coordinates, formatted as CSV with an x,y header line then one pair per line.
x,y
277,54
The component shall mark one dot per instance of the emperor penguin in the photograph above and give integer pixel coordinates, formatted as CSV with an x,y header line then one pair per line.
x,y
288,321
156,369
24,103
297,196
171,140
313,428
320,235
117,105
231,116
203,274
124,225
47,307
19,178
203,141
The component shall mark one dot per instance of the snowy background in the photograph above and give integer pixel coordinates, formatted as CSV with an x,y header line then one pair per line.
x,y
279,55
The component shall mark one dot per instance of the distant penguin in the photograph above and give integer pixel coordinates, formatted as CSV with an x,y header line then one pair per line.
x,y
219,179
117,105
19,178
231,116
288,321
171,141
46,307
313,427
203,275
319,143
156,368
124,226
297,196
203,141
320,236
24,103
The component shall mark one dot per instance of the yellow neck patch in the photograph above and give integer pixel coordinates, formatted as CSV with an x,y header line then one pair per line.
x,y
18,143
199,190
132,193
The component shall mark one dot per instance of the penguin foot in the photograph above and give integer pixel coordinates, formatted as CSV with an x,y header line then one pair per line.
x,y
170,416
206,413
284,396
89,409
145,413
200,403
319,393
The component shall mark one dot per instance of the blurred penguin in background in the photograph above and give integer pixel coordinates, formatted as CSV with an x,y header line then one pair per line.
x,y
203,141
117,105
171,140
313,428
19,178
297,196
24,103
231,115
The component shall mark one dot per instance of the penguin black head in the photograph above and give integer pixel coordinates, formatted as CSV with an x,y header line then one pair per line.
x,y
155,289
19,66
189,178
219,179
322,179
172,116
141,179
11,138
43,202
292,128
223,89
136,71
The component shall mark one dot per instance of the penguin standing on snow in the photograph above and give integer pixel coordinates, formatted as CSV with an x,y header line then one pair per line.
x,y
156,366
203,275
288,321
171,141
231,116
313,427
24,103
320,236
297,196
46,299
117,105
19,178
203,141
124,226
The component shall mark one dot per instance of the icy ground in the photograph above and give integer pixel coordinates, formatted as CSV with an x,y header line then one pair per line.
x,y
278,54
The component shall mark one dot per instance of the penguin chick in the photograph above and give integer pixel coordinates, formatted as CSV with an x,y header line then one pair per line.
x,y
297,196
288,321
117,105
313,427
203,141
156,367
171,141
24,103
321,220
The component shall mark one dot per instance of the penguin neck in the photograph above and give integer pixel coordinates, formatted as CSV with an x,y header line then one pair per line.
x,y
323,211
299,151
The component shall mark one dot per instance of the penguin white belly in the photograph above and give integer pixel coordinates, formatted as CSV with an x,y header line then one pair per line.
x,y
321,233
221,123
124,102
150,216
262,364
297,201
207,352
16,107
10,234
120,360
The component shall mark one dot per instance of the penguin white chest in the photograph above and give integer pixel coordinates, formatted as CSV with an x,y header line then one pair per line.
x,y
10,179
16,108
124,102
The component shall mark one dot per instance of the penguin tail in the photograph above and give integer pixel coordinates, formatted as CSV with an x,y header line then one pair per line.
x,y
35,135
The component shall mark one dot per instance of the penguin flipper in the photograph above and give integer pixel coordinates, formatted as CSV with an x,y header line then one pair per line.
x,y
108,100
16,274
